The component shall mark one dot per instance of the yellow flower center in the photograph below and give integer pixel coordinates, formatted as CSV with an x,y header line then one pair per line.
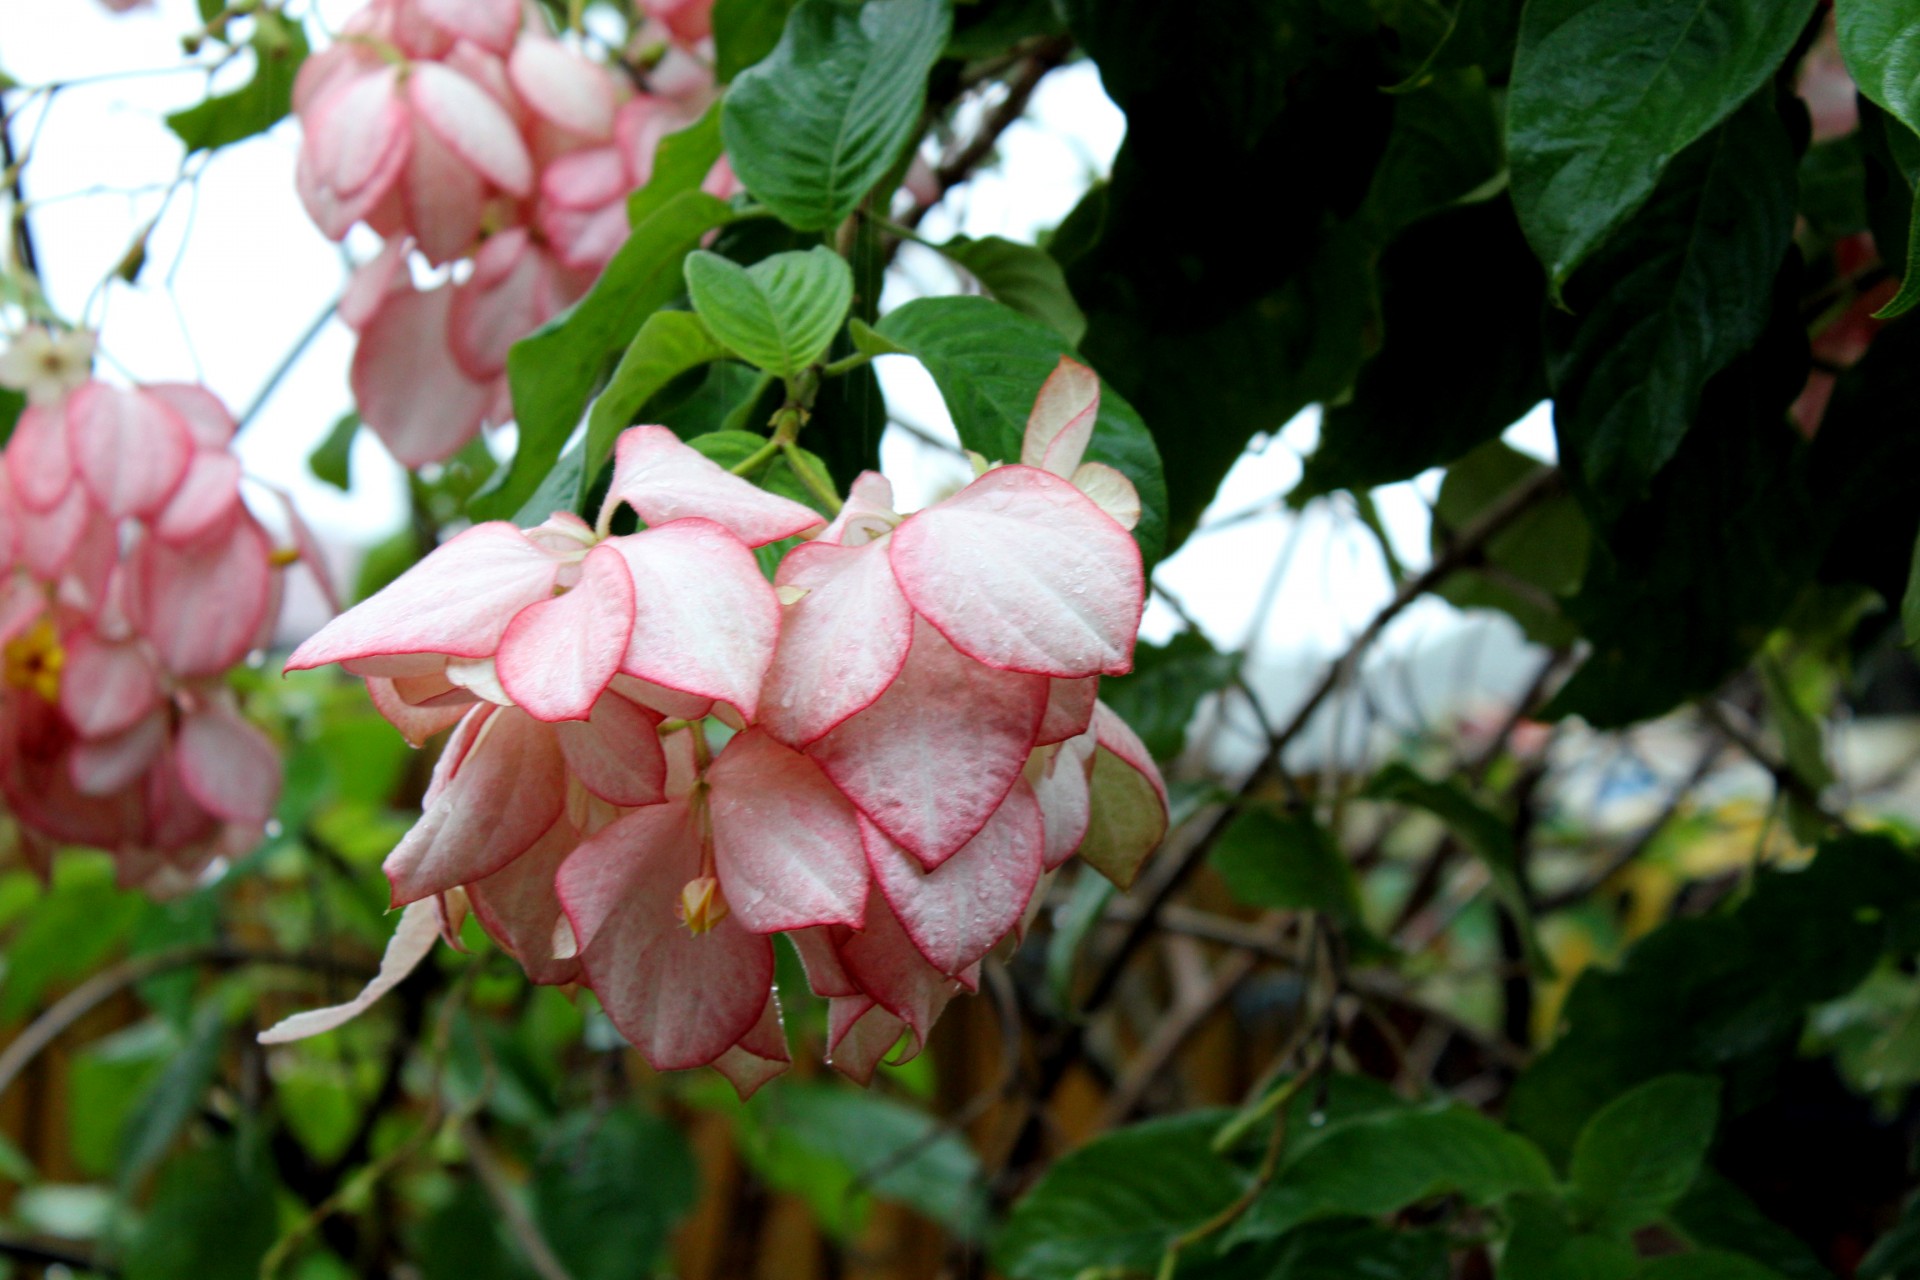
x,y
701,905
34,658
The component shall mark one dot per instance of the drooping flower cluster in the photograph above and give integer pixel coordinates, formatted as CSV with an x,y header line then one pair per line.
x,y
132,576
464,133
913,738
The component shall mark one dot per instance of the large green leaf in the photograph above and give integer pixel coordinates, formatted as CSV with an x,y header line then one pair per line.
x,y
1676,293
174,1097
815,124
1715,1214
555,370
745,31
608,1189
1606,93
1880,40
1287,863
213,1217
1118,1202
989,362
669,344
1024,277
279,47
781,313
1706,1265
1638,1154
1544,1244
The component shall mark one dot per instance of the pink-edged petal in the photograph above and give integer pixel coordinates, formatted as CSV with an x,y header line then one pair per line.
x,y
208,495
841,644
131,449
760,1055
786,842
105,686
412,940
681,999
491,313
866,514
664,479
307,547
1058,776
206,417
886,964
9,524
562,86
409,389
105,765
444,199
508,789
1111,491
958,911
520,907
1069,709
691,21
616,752
819,956
491,24
1128,799
38,459
459,601
229,766
930,762
415,723
202,604
861,1035
1020,570
586,180
557,655
371,282
355,147
670,703
704,618
471,122
48,540
1062,420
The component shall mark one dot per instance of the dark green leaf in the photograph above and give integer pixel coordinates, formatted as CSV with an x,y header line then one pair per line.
x,y
814,125
608,1189
1673,297
989,362
174,1097
1715,1214
1832,187
213,1217
279,47
781,313
1706,1265
1640,1152
1346,1251
1287,863
12,405
1880,41
332,459
668,345
81,920
1606,93
1159,696
1118,1202
1024,277
1445,145
555,370
1529,567
1910,605
463,1240
745,31
1896,1255
1544,1245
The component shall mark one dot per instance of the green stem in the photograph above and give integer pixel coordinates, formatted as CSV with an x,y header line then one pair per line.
x,y
823,493
846,366
757,459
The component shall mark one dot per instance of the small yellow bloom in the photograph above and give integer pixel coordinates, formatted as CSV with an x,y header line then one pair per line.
x,y
34,658
701,906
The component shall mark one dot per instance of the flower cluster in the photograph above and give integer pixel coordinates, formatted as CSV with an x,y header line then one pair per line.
x,y
912,737
132,576
464,133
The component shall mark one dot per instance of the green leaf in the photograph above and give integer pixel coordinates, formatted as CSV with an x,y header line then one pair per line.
x,y
1715,1214
781,313
1544,1245
745,31
1024,277
1444,147
1072,923
609,1188
680,164
14,1165
1706,1265
1381,1162
1345,1250
1287,863
332,459
12,405
669,344
1640,1152
1896,1255
554,371
1159,696
213,1217
1910,604
1118,1202
989,362
463,1240
1676,293
174,1096
80,921
814,125
279,47
1880,39
1531,566
1607,92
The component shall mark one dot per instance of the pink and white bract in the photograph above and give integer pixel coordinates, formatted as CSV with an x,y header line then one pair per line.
x,y
909,737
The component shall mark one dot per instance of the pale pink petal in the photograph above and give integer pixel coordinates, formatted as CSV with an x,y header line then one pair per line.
x,y
229,766
786,842
201,604
307,547
509,788
841,644
681,999
1111,491
585,180
106,765
616,752
867,513
520,907
38,458
490,313
1062,420
1129,802
105,687
208,495
407,384
930,762
826,976
958,911
473,123
355,147
1058,775
458,601
883,960
662,479
445,200
492,24
760,1055
557,655
1069,709
49,539
671,704
1020,570
206,418
368,286
691,21
131,449
862,1037
9,525
705,619
412,940
559,84
415,723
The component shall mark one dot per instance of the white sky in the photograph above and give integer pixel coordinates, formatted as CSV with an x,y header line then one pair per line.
x,y
237,273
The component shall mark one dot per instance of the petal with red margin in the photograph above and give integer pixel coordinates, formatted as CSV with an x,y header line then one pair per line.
x,y
616,752
202,604
444,199
409,389
557,655
105,687
664,479
473,124
228,766
131,449
520,906
883,960
1062,420
207,496
1128,800
704,617
786,842
841,644
415,723
562,86
1058,776
38,458
760,1055
1069,709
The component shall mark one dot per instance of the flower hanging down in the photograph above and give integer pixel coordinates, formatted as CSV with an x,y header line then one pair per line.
x,y
913,737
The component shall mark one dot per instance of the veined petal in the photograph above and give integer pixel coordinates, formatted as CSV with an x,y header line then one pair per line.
x,y
664,479
562,86
557,655
840,645
886,964
786,842
472,122
458,602
1128,801
228,766
930,762
519,906
758,1056
1111,491
1021,571
412,940
202,604
1069,709
1062,420
616,752
131,449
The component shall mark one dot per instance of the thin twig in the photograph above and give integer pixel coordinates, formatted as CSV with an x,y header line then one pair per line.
x,y
499,1188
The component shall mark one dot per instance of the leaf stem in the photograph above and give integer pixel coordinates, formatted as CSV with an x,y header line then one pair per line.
x,y
841,367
